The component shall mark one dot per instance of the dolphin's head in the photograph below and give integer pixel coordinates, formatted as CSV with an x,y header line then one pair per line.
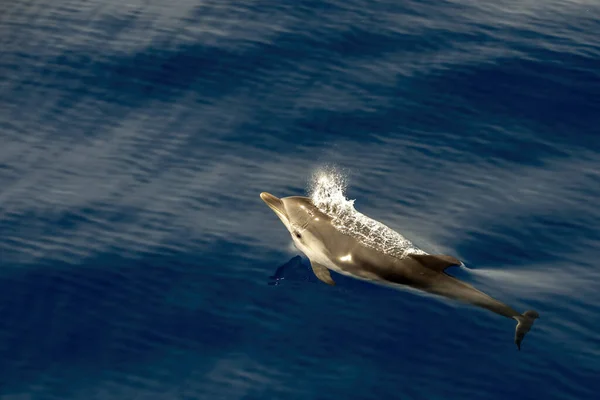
x,y
300,216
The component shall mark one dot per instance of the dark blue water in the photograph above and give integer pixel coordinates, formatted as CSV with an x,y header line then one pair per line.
x,y
138,261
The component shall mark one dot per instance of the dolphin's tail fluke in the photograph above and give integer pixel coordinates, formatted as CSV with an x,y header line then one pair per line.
x,y
524,324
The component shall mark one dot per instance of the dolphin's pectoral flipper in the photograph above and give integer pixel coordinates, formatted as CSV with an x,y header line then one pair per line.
x,y
322,273
524,324
435,262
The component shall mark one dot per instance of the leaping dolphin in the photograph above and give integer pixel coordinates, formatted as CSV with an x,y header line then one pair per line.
x,y
328,248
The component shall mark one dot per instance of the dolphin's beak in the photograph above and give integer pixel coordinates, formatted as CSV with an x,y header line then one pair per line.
x,y
274,203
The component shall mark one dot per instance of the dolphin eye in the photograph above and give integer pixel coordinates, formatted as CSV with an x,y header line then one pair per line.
x,y
298,235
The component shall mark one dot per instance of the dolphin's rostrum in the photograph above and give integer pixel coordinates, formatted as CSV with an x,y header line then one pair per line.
x,y
330,249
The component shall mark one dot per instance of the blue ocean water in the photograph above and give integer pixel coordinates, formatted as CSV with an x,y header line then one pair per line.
x,y
138,261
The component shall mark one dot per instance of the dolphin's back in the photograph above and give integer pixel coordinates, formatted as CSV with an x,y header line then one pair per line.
x,y
367,231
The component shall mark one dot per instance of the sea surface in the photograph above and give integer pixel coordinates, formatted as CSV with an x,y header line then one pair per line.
x,y
137,260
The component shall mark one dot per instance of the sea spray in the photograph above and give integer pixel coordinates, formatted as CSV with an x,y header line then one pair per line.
x,y
327,191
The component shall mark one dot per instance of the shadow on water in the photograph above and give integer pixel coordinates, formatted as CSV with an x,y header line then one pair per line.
x,y
293,271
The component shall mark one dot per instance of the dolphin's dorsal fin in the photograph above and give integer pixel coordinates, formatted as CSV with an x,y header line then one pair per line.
x,y
322,273
436,262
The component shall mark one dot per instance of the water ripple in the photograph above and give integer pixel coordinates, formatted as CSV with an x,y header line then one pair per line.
x,y
136,138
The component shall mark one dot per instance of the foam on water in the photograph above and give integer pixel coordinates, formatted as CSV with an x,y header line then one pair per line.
x,y
327,191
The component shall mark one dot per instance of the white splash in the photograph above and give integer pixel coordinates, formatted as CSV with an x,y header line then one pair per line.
x,y
327,192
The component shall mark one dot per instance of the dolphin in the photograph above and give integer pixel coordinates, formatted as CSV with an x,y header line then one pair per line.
x,y
328,248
